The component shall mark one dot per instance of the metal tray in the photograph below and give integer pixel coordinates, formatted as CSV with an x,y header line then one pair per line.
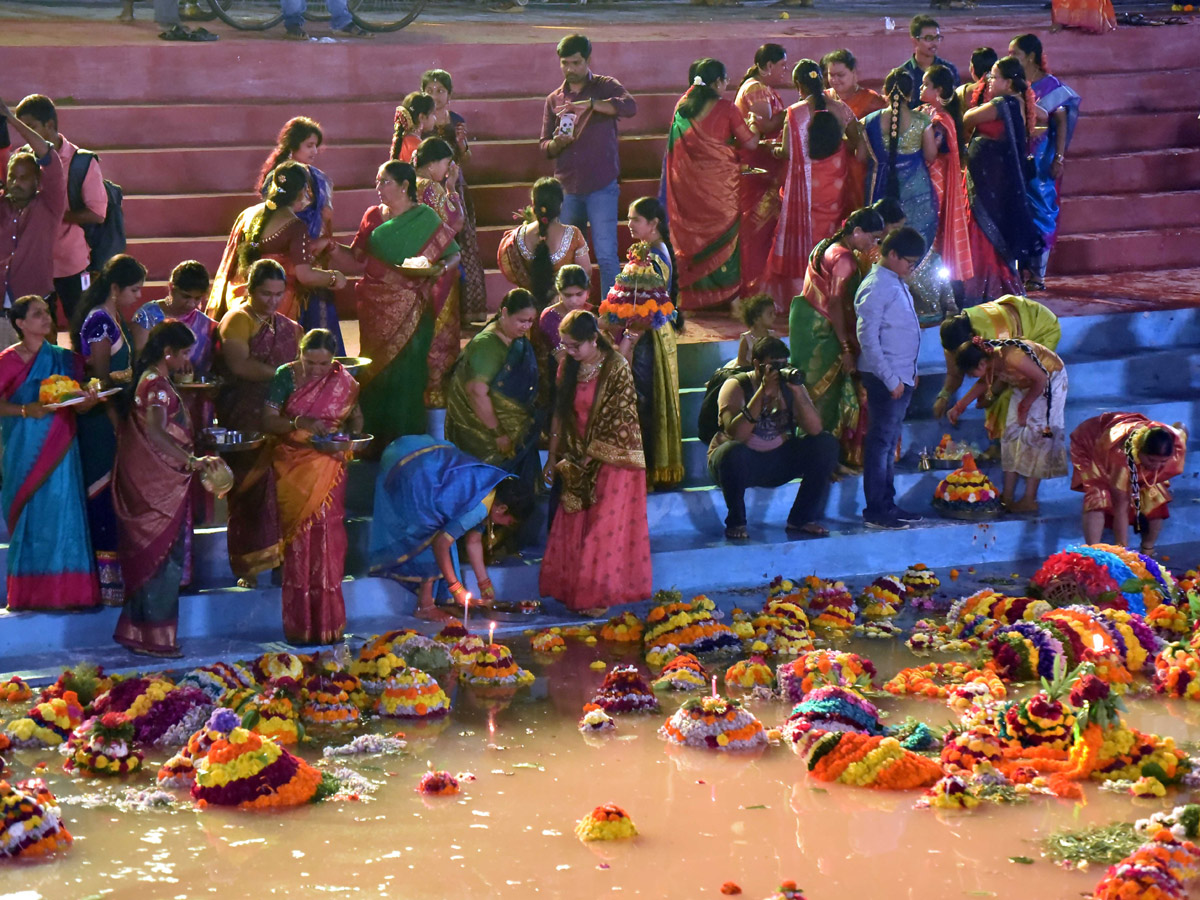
x,y
247,440
353,443
202,384
354,364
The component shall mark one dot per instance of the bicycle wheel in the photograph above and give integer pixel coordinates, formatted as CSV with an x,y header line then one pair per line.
x,y
248,15
317,11
385,15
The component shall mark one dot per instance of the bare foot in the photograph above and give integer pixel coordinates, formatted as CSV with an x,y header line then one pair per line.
x,y
433,614
248,583
596,612
1006,501
1024,505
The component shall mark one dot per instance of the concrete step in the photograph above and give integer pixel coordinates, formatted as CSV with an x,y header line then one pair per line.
x,y
1144,171
1091,213
1119,251
1112,91
1139,129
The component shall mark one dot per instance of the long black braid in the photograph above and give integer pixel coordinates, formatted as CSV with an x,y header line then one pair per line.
x,y
1028,351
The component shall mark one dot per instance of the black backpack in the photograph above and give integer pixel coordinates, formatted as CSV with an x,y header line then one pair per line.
x,y
107,239
708,422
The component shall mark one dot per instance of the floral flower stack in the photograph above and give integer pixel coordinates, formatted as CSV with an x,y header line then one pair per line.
x,y
31,822
162,713
606,823
967,493
15,690
452,632
596,721
683,673
882,598
625,628
272,666
412,694
494,666
639,297
832,709
414,648
715,723
548,642
467,650
437,784
1105,575
327,704
749,673
625,690
865,760
783,625
274,712
374,667
921,581
818,668
103,745
675,627
48,724
831,607
249,771
219,679
787,891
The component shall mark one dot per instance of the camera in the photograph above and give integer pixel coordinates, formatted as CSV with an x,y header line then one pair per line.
x,y
789,375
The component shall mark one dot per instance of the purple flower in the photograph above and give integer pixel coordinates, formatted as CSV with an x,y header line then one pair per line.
x,y
223,720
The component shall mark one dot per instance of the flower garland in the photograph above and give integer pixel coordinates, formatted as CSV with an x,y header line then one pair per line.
x,y
823,667
625,690
936,680
606,823
31,822
715,723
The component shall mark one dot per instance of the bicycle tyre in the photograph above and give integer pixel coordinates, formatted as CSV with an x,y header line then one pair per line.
x,y
246,16
382,16
317,11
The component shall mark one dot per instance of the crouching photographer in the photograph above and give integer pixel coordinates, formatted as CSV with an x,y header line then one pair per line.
x,y
758,444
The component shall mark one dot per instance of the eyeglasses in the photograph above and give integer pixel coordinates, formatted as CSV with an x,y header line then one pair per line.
x,y
912,261
931,38
380,182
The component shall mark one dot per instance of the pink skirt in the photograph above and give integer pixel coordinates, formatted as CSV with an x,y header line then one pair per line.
x,y
601,556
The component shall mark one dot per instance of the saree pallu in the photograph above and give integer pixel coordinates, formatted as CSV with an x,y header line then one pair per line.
x,y
151,494
473,295
664,457
953,241
1028,449
814,205
1096,16
395,321
1052,95
425,487
862,103
997,191
817,352
512,390
758,195
253,533
447,316
311,489
228,289
1101,466
598,552
917,195
701,173
50,562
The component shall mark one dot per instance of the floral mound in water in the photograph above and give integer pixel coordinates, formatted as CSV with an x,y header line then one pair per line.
x,y
31,823
162,713
865,761
625,628
451,633
274,712
1177,672
103,745
596,721
623,690
15,690
466,651
921,581
967,493
374,667
606,823
437,784
86,681
675,627
1105,575
683,673
494,666
831,607
272,666
414,648
787,891
832,709
1157,870
714,723
818,668
950,792
48,724
549,641
413,694
249,771
939,681
749,673
218,679
882,598
328,704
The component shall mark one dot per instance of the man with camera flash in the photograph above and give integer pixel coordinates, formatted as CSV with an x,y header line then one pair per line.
x,y
758,446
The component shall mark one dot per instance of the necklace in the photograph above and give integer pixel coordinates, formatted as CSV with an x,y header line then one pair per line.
x,y
588,371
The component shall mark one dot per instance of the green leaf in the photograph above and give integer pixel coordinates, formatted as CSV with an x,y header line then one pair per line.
x,y
528,766
1023,860
756,806
250,719
817,790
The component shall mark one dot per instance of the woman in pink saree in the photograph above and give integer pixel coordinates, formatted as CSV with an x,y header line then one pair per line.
x,y
310,397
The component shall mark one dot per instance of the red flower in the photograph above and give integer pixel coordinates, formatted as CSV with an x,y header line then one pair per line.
x,y
113,719
1087,689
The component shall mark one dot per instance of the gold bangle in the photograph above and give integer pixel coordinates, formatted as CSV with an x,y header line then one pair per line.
x,y
23,413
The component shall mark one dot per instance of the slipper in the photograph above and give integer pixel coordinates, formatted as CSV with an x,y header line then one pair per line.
x,y
203,34
175,33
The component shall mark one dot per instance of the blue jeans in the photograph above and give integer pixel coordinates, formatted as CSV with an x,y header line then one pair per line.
x,y
600,209
293,12
885,416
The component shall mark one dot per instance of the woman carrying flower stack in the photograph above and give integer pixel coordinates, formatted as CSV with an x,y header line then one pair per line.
x,y
1123,465
1033,443
311,397
598,552
152,493
49,559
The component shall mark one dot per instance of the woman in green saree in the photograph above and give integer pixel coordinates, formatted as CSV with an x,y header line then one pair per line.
x,y
394,302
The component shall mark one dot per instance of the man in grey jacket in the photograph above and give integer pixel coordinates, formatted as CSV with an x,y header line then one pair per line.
x,y
889,334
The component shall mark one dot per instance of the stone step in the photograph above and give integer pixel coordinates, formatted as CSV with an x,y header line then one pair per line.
x,y
1120,251
1144,171
1138,129
1093,213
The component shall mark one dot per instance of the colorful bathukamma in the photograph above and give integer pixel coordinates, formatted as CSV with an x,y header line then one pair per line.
x,y
967,493
412,694
625,690
606,823
494,666
31,823
1105,575
103,745
714,723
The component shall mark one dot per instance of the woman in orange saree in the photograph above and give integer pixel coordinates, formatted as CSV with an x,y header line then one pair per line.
x,y
953,240
817,183
759,192
434,162
395,322
313,396
840,69
702,173
1096,16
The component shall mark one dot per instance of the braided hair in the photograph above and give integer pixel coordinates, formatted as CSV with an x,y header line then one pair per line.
x,y
977,349
284,185
898,86
1137,442
1012,69
408,114
867,219
547,201
943,80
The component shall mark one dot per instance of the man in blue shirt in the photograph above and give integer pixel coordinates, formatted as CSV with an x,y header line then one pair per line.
x,y
889,334
926,37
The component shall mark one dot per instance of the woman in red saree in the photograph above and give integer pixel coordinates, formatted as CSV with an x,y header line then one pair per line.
x,y
759,193
953,240
434,162
152,486
50,561
702,174
255,341
816,188
598,552
312,396
1096,16
272,230
840,69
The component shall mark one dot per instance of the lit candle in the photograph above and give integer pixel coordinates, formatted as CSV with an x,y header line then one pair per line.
x,y
714,685
492,633
466,611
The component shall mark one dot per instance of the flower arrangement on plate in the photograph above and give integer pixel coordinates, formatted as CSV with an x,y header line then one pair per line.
x,y
104,745
831,607
625,628
271,666
639,296
749,673
548,641
250,771
1105,575
1157,870
596,721
494,666
882,598
218,679
412,694
607,822
15,690
715,723
832,708
967,493
782,627
48,724
31,823
623,690
58,389
818,668
327,703
683,673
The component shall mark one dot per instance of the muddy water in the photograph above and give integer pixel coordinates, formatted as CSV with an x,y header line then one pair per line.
x,y
705,818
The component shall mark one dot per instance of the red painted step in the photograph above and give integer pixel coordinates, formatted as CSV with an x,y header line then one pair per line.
x,y
1124,212
1118,251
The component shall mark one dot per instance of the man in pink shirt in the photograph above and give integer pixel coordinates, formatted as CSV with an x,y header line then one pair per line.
x,y
71,252
31,212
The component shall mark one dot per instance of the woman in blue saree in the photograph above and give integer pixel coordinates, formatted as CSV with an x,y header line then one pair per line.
x,y
429,495
1061,107
50,563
